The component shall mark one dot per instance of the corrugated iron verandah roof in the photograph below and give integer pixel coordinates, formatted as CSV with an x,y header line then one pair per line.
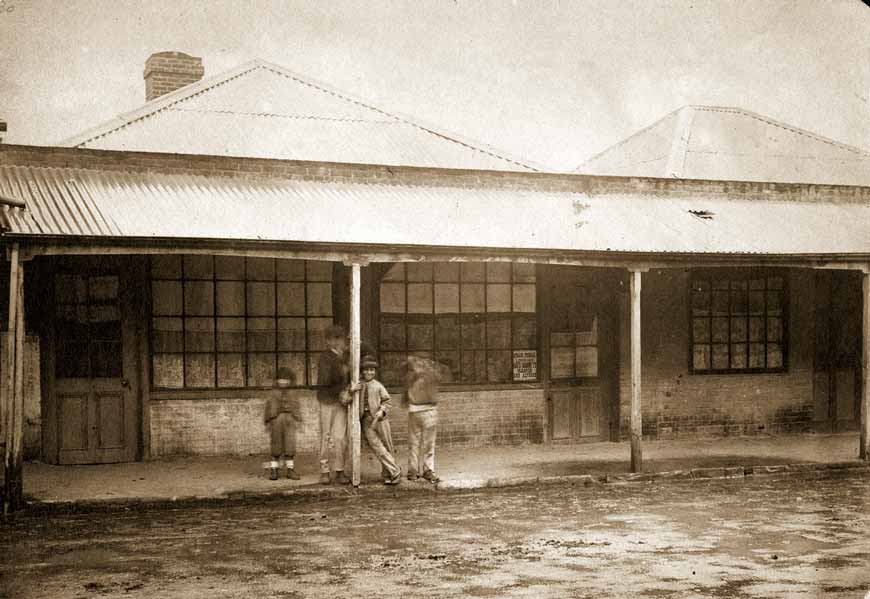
x,y
73,203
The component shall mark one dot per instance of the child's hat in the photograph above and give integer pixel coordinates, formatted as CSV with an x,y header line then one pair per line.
x,y
368,362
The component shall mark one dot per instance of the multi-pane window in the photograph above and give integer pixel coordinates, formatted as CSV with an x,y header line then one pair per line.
x,y
229,321
574,353
470,317
738,322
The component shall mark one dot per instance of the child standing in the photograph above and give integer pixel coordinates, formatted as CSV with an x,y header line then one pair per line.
x,y
421,398
282,414
374,409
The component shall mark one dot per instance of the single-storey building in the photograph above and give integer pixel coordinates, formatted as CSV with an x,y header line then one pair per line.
x,y
161,291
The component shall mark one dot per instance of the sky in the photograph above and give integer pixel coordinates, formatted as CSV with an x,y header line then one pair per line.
x,y
554,82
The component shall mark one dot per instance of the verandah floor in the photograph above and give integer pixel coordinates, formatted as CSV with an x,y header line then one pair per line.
x,y
215,477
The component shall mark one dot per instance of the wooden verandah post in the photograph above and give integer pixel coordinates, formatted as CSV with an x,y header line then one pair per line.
x,y
353,410
636,432
13,388
864,449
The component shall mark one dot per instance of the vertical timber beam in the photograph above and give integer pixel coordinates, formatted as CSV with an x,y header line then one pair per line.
x,y
636,433
353,411
864,451
13,396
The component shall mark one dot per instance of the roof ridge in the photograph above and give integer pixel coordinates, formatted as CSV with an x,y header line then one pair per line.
x,y
204,85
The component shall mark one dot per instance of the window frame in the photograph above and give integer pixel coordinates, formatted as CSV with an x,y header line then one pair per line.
x,y
746,275
309,354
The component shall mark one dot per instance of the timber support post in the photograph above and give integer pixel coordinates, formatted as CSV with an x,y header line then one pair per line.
x,y
13,388
864,449
636,427
353,410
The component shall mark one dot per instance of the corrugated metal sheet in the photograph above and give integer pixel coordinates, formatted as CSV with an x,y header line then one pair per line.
x,y
76,202
260,110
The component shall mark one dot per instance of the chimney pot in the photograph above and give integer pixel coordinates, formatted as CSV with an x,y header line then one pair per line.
x,y
166,72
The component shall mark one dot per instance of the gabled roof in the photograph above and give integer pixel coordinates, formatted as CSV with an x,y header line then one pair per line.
x,y
709,142
262,110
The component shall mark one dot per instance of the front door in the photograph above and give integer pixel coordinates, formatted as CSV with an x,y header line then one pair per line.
x,y
579,336
95,398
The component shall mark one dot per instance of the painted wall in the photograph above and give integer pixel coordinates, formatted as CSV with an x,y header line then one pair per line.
x,y
679,404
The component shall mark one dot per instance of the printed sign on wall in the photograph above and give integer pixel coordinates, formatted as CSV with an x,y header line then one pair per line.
x,y
525,365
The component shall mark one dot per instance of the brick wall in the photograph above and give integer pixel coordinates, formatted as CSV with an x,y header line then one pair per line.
x,y
679,404
235,426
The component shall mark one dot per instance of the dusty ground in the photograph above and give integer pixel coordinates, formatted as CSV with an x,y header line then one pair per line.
x,y
774,537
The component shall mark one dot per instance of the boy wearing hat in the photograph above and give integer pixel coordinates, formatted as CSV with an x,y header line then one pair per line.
x,y
282,414
374,409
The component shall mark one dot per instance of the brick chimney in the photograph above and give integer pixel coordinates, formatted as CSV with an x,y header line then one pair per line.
x,y
168,71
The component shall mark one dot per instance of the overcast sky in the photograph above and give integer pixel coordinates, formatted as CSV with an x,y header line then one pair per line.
x,y
552,81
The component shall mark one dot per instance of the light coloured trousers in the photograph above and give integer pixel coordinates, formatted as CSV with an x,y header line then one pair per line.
x,y
379,448
422,427
333,435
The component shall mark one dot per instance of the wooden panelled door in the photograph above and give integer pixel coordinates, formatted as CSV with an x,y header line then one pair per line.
x,y
95,399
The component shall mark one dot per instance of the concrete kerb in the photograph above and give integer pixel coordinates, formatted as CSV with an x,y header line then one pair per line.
x,y
316,493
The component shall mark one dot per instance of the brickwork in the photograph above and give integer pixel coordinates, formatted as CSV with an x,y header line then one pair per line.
x,y
677,404
166,72
235,426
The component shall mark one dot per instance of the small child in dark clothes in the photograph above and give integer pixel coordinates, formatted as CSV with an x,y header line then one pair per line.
x,y
282,414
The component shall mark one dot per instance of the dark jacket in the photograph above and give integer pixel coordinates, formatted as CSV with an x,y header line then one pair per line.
x,y
283,401
332,376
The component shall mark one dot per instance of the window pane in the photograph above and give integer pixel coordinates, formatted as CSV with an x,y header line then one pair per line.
x,y
586,362
106,359
720,302
261,269
525,333
700,303
473,335
396,273
198,298
562,362
756,329
167,370
498,272
472,297
774,302
261,334
393,298
291,335
199,370
105,322
774,283
738,329
420,337
774,355
447,272
261,370
524,273
392,367
419,298
261,299
739,302
167,335
198,334
70,289
701,357
166,267
471,271
291,299
720,357
230,298
446,298
392,334
317,334
756,355
756,284
498,334
166,298
756,302
524,298
318,270
562,339
449,360
231,370
473,366
103,288
720,330
447,333
319,299
198,267
498,366
774,329
231,334
290,270
701,330
498,298
738,355
296,363
418,271
229,268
